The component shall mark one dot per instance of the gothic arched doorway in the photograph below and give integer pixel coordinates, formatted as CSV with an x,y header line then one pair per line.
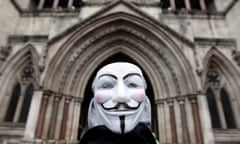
x,y
88,94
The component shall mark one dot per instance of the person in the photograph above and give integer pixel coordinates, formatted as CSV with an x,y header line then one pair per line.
x,y
120,111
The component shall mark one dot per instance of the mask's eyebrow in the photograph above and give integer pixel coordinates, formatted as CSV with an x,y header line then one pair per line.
x,y
110,75
132,74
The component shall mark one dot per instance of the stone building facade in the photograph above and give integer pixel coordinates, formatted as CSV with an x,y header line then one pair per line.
x,y
187,49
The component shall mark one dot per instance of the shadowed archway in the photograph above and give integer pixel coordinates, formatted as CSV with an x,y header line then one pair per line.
x,y
88,94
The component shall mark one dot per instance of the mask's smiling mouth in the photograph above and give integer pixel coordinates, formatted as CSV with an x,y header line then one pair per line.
x,y
121,107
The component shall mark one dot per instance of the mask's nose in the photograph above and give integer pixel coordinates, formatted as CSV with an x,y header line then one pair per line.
x,y
122,95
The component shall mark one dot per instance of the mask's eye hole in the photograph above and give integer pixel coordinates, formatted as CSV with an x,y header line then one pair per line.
x,y
134,81
132,85
107,85
105,82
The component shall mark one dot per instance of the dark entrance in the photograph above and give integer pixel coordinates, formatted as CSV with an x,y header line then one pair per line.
x,y
88,94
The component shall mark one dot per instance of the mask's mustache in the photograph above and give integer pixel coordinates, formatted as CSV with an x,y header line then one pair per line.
x,y
121,107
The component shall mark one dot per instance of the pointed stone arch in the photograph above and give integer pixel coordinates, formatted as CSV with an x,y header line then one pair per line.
x,y
12,69
227,75
149,43
155,48
161,53
223,64
19,59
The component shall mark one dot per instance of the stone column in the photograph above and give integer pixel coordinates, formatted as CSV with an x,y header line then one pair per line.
x,y
70,120
51,130
33,115
70,3
172,121
178,121
184,121
48,116
236,113
59,116
187,4
190,122
207,131
41,117
40,4
196,119
55,3
75,124
203,5
161,122
173,5
65,118
167,123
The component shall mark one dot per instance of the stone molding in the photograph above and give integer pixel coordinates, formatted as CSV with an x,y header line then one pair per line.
x,y
179,98
76,55
215,42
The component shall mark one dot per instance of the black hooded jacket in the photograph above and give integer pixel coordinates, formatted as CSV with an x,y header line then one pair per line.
x,y
102,135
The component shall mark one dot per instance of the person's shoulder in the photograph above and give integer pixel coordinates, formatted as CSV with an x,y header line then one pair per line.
x,y
94,134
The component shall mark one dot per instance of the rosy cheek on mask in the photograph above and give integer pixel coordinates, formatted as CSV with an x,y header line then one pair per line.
x,y
141,96
98,98
102,97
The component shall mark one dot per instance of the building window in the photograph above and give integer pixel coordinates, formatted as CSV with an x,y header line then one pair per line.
x,y
12,106
166,4
26,103
219,101
188,5
47,4
227,109
56,4
213,109
195,5
62,4
77,3
20,100
180,4
210,5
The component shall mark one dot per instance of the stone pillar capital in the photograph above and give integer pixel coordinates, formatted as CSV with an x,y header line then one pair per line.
x,y
170,101
78,99
181,99
47,94
57,96
68,98
193,98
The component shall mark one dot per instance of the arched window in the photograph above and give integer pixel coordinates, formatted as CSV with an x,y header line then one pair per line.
x,y
227,109
219,101
213,109
12,106
20,100
26,103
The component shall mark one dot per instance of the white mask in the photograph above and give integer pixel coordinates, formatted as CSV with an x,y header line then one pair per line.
x,y
120,101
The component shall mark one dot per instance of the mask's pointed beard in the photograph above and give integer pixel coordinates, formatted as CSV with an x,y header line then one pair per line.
x,y
122,123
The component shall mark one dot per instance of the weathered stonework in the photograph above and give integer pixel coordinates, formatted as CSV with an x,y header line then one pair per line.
x,y
64,47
